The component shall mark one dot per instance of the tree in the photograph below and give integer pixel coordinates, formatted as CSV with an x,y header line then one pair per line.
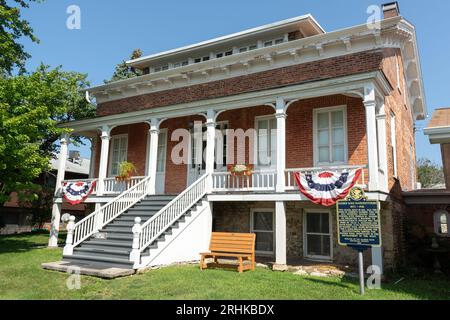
x,y
124,71
430,174
12,28
31,105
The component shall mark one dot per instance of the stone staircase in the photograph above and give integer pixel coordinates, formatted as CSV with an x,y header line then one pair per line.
x,y
111,247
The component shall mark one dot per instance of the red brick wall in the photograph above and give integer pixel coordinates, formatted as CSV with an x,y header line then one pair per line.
x,y
306,72
396,103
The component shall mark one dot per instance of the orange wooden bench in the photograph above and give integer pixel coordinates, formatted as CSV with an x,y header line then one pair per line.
x,y
229,245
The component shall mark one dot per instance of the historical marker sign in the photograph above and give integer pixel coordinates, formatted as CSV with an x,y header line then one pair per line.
x,y
358,221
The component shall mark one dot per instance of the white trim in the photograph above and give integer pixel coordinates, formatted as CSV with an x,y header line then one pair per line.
x,y
115,137
330,234
328,110
252,230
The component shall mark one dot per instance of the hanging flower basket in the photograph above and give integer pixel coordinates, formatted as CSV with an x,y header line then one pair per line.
x,y
240,170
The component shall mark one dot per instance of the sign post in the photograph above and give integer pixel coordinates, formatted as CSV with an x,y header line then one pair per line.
x,y
359,226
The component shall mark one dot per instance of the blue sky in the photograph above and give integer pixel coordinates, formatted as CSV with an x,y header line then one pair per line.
x,y
110,30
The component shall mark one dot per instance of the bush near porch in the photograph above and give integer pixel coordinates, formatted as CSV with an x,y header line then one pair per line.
x,y
21,277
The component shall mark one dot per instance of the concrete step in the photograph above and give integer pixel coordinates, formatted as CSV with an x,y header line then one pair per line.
x,y
99,261
103,251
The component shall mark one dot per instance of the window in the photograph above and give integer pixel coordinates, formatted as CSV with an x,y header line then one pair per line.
x,y
394,145
330,136
219,55
248,48
161,158
278,41
162,68
262,224
442,223
317,235
118,153
268,43
198,60
266,141
253,47
222,153
180,64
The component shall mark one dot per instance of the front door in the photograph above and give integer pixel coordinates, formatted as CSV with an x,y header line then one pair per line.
x,y
197,167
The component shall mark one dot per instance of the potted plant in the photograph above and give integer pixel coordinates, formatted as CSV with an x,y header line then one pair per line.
x,y
241,169
126,169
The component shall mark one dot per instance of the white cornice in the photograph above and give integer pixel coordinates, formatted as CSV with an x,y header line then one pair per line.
x,y
343,85
438,135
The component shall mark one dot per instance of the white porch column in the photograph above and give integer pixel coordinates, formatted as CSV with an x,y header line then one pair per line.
x,y
56,210
153,154
93,157
382,148
210,147
280,237
104,154
371,133
281,144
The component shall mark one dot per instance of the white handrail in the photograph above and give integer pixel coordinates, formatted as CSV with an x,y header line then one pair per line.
x,y
101,217
173,211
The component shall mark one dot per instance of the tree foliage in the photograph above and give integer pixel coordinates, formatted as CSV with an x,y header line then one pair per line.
x,y
31,105
12,28
123,71
430,174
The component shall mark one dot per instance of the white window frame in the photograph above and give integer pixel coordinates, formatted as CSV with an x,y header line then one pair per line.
x,y
305,235
222,167
437,223
116,137
164,155
256,143
316,112
252,230
394,143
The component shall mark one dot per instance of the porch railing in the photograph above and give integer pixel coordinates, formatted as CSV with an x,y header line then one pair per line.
x,y
101,217
260,180
291,184
162,220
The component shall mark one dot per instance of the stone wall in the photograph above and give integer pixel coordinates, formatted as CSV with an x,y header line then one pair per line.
x,y
235,217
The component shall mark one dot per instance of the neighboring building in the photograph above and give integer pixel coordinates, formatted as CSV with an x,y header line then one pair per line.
x,y
339,100
18,219
429,209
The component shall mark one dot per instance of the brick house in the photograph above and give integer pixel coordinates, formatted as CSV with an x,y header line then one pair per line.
x,y
317,100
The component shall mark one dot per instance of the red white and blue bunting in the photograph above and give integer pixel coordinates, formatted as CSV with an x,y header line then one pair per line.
x,y
327,188
76,192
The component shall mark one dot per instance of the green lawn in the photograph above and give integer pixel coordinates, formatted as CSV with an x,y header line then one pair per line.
x,y
21,277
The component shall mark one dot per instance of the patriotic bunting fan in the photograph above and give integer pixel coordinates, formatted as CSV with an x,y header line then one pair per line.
x,y
76,192
327,188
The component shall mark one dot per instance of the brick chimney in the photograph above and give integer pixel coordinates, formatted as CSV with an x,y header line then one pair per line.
x,y
391,10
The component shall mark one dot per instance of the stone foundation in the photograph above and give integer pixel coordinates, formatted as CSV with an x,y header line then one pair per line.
x,y
235,217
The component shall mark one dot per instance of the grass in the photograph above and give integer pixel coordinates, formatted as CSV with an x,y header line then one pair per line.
x,y
21,277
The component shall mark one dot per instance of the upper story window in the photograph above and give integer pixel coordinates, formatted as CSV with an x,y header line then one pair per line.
x,y
269,43
442,223
330,136
248,48
198,60
161,68
118,153
180,64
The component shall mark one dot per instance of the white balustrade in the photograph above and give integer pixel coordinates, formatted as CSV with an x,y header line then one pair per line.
x,y
167,216
104,215
291,183
111,185
261,180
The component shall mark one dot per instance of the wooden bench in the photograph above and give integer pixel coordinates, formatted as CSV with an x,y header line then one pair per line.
x,y
231,245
